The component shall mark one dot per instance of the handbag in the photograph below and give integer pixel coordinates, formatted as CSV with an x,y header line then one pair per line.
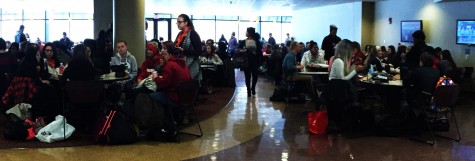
x,y
240,59
318,121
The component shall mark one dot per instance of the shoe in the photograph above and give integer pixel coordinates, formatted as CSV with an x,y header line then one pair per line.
x,y
248,94
253,92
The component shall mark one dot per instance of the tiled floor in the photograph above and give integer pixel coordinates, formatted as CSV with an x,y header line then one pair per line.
x,y
253,128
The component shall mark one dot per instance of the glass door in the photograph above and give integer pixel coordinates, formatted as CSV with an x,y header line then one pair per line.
x,y
158,28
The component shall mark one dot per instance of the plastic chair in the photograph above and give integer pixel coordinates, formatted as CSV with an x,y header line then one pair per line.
x,y
85,97
444,99
187,96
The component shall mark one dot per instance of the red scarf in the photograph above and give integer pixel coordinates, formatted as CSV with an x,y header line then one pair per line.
x,y
51,63
182,36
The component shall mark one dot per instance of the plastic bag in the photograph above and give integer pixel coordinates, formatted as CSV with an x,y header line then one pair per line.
x,y
55,130
318,122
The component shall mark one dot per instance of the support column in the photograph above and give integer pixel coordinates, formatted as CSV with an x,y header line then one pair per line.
x,y
102,15
129,25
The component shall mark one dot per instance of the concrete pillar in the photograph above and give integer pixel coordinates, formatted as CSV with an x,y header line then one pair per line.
x,y
102,15
129,25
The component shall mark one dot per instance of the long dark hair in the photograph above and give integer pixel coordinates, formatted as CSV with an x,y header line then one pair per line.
x,y
55,55
29,63
187,19
393,50
79,53
447,56
172,49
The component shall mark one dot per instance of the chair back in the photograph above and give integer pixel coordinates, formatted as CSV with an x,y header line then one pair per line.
x,y
85,92
188,92
446,96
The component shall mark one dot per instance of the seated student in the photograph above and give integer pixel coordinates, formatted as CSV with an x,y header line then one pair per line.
x,y
340,93
312,57
8,66
422,79
447,66
174,71
374,58
49,53
340,66
28,87
152,61
124,57
210,56
80,68
291,68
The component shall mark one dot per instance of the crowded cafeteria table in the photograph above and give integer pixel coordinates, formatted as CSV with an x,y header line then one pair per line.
x,y
314,73
390,90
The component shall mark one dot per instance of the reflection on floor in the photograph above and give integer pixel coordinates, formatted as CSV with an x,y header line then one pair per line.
x,y
253,128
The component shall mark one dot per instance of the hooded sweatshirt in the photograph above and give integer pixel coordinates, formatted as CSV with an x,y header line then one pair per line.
x,y
174,72
131,62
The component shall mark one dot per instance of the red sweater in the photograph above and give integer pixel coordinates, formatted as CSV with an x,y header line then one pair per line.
x,y
149,63
174,72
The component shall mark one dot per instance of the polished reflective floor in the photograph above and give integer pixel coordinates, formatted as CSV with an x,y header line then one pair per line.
x,y
253,128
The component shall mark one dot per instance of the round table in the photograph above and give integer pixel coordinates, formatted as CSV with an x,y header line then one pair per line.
x,y
109,78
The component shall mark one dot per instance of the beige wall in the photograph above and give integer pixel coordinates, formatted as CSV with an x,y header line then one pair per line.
x,y
367,24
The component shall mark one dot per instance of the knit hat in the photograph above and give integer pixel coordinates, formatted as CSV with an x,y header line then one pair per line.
x,y
151,46
419,34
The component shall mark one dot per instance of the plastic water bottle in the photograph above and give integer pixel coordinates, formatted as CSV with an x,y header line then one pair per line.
x,y
61,68
371,69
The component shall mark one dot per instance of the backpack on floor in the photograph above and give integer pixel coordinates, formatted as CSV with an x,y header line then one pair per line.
x,y
117,129
147,112
278,96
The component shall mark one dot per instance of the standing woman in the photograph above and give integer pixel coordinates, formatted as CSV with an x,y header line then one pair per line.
x,y
254,53
189,41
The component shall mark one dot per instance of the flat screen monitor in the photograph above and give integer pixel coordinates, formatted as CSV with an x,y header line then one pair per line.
x,y
408,27
466,32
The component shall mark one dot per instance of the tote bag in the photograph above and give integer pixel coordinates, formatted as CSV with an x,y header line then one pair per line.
x,y
318,122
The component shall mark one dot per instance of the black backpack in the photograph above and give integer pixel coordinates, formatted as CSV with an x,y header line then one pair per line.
x,y
117,129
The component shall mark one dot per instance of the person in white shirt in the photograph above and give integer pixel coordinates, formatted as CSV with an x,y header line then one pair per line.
x,y
210,57
340,68
312,57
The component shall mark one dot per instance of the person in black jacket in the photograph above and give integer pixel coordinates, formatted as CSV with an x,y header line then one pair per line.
x,y
422,79
329,42
415,53
80,68
254,51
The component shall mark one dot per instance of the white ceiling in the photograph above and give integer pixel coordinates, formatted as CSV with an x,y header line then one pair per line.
x,y
237,7
205,7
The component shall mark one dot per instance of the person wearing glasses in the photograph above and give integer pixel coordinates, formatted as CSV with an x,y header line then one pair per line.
x,y
190,42
51,58
312,57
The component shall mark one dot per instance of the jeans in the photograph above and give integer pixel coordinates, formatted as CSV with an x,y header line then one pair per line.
x,y
169,109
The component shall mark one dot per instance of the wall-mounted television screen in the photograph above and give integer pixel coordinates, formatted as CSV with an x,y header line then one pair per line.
x,y
408,27
465,31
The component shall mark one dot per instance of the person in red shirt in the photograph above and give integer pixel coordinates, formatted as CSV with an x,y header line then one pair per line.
x,y
174,71
152,61
358,56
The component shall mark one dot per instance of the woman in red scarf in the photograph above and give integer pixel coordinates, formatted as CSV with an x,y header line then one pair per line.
x,y
189,41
